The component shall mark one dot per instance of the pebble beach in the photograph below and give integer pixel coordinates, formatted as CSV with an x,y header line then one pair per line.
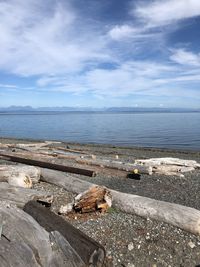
x,y
130,240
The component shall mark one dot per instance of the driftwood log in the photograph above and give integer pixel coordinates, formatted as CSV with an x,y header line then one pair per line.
x,y
25,243
20,196
171,170
44,164
90,252
167,161
183,217
19,175
117,165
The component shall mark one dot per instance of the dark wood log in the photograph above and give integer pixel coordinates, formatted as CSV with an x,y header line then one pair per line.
x,y
89,250
20,196
60,243
25,243
44,164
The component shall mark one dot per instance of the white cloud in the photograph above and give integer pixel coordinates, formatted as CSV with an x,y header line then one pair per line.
x,y
39,39
129,78
119,32
183,57
159,12
8,86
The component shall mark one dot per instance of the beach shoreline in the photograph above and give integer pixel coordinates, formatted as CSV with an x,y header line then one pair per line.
x,y
130,239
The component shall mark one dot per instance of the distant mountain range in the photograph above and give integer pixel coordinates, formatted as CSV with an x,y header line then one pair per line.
x,y
19,109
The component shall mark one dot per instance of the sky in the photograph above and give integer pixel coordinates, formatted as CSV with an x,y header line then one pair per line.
x,y
100,53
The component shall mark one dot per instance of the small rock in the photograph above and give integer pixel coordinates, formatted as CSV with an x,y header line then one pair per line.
x,y
116,156
191,244
130,246
66,209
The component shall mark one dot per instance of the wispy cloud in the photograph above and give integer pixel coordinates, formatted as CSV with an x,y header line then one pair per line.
x,y
185,57
7,85
160,13
60,50
39,39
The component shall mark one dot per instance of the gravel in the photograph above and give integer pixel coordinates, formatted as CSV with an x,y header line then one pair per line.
x,y
130,240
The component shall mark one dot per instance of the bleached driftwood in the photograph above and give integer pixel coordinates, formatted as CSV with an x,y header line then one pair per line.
x,y
25,243
167,161
172,170
111,164
33,146
178,215
20,196
184,217
11,170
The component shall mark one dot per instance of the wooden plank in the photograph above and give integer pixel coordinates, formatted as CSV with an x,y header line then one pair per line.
x,y
44,164
89,250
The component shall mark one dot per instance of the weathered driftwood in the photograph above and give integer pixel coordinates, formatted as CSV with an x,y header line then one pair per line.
x,y
32,146
168,161
172,170
44,164
96,198
181,216
11,170
19,196
71,184
25,243
19,179
71,150
117,165
88,250
184,217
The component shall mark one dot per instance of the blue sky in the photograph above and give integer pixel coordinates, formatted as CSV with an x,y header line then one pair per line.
x,y
100,53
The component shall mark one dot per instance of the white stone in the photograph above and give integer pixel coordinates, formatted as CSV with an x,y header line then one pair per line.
x,y
130,246
191,244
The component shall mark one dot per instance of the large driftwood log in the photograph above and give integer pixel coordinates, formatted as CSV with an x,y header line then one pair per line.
x,y
117,165
32,173
25,243
20,196
181,216
89,250
44,164
71,184
184,217
167,161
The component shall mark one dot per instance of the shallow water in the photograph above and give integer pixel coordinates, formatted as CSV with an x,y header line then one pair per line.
x,y
165,130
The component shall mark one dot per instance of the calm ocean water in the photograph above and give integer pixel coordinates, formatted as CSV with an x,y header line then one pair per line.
x,y
164,130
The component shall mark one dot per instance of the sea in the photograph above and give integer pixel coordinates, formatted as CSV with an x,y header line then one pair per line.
x,y
132,129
